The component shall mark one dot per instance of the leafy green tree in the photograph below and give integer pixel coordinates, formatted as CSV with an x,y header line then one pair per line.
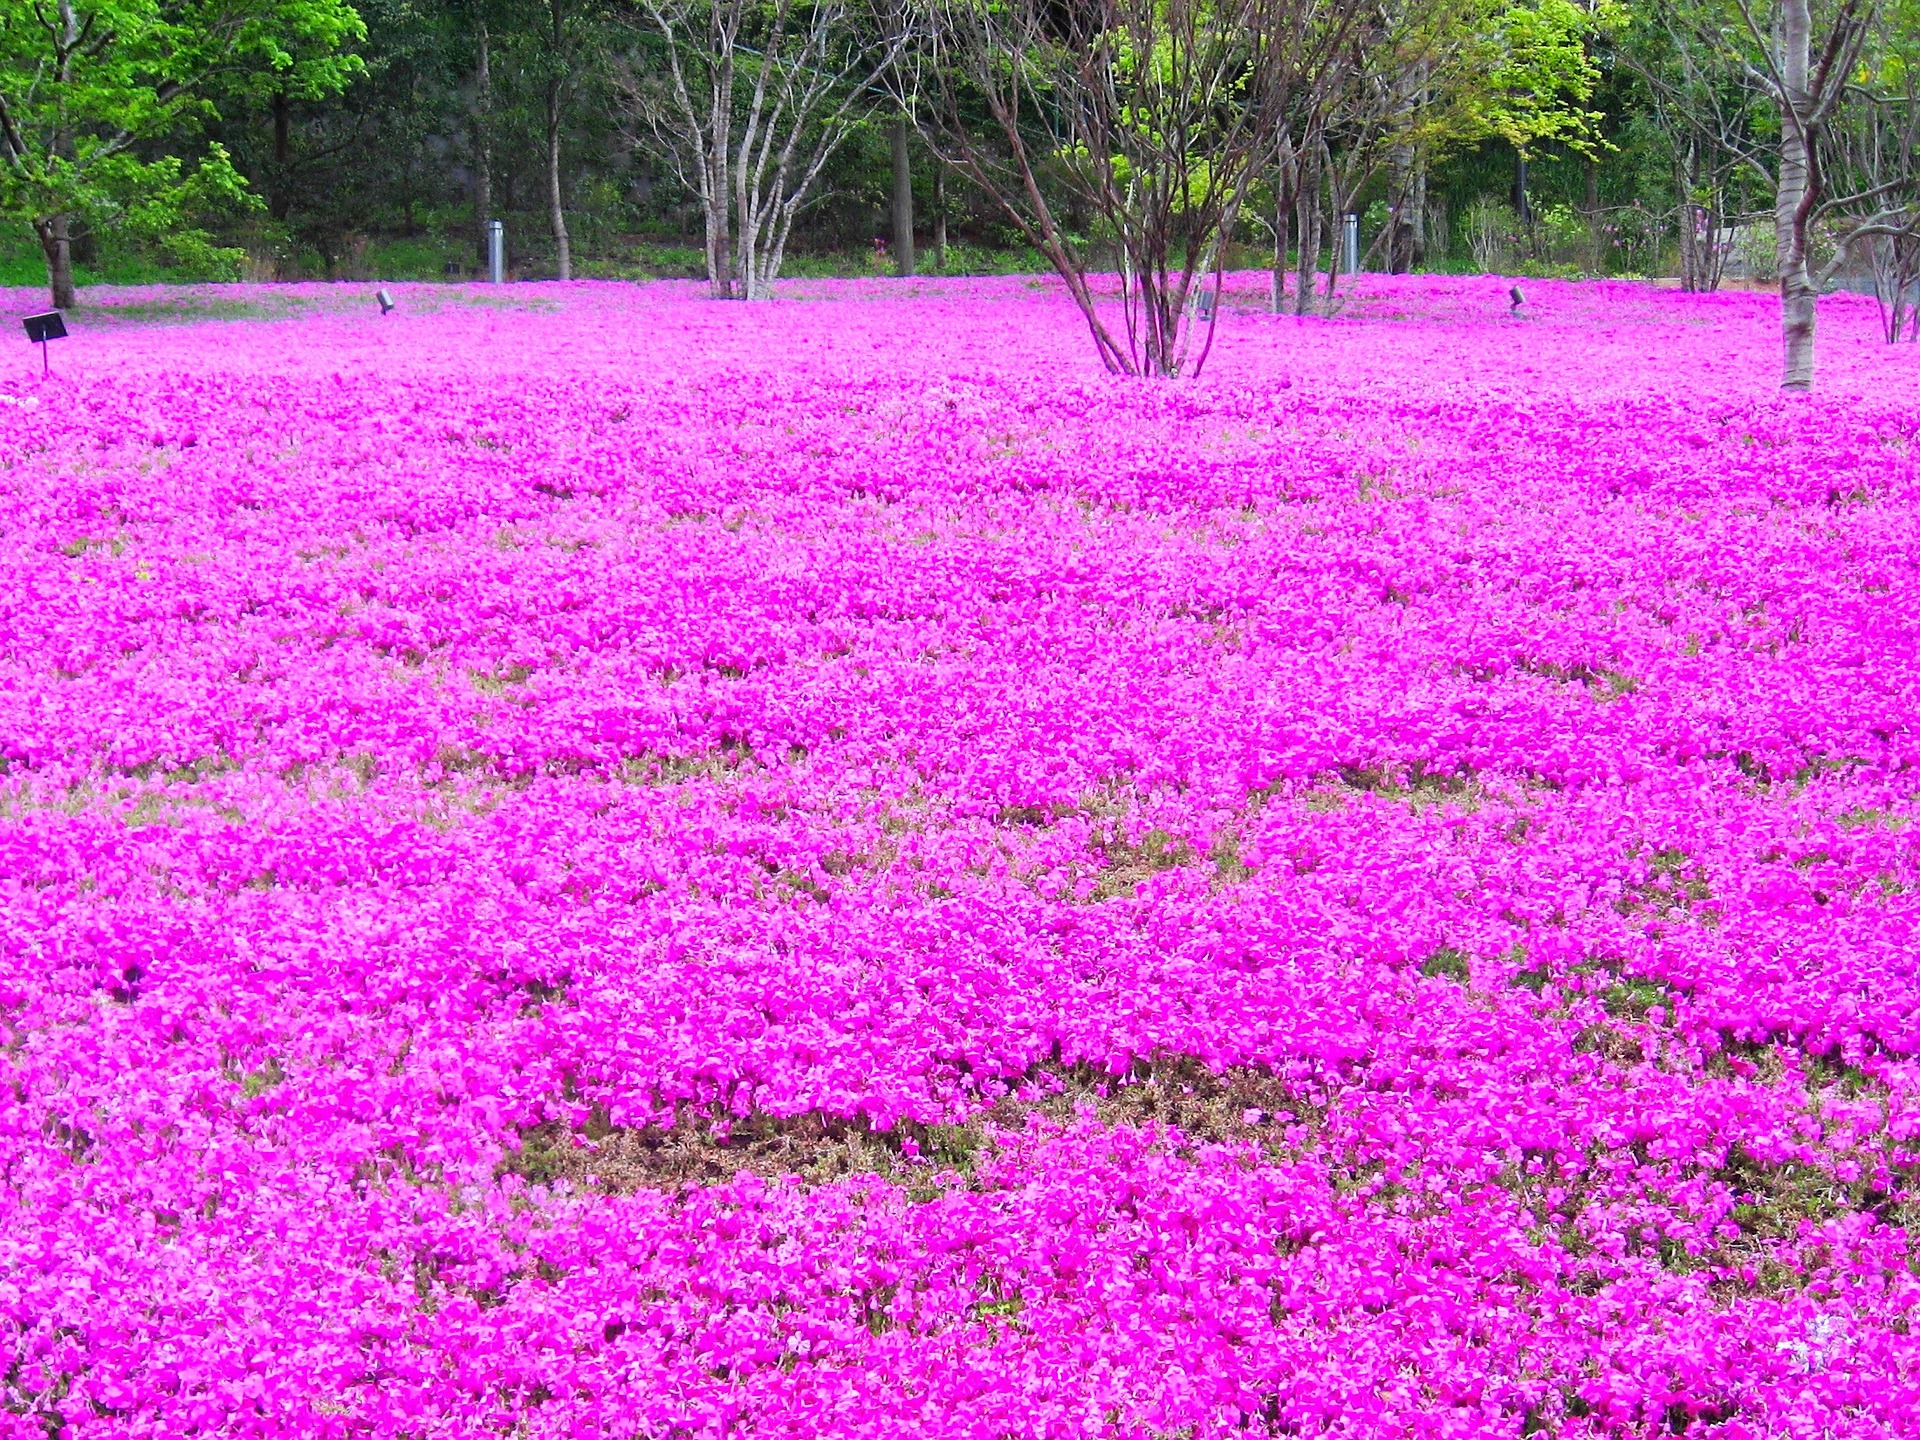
x,y
1532,73
89,89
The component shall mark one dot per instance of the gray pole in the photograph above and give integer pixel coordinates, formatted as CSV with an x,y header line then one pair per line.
x,y
496,252
1350,233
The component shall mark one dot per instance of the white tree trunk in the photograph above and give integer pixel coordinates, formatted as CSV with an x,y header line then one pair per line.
x,y
754,154
562,243
1793,203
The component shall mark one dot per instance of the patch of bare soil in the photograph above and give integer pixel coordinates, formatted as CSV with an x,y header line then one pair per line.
x,y
711,1147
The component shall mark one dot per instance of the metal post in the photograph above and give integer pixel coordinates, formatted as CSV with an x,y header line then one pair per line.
x,y
1350,239
496,252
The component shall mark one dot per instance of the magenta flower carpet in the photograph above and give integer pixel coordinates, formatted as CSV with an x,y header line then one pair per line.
x,y
584,862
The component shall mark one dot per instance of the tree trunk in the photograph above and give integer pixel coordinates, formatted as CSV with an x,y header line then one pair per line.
x,y
1336,223
716,179
1419,204
280,204
940,219
903,257
562,243
1399,205
1306,209
719,233
1794,201
482,150
56,245
1683,167
1282,221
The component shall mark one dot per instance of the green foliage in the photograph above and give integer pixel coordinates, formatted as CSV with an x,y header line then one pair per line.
x,y
118,259
1536,73
1448,964
88,89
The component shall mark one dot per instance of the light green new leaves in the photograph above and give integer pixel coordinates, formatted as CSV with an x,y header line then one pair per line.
x,y
89,87
1535,73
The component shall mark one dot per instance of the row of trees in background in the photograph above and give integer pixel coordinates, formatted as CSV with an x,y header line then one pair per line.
x,y
1148,137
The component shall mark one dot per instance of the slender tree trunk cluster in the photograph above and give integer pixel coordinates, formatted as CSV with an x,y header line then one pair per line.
x,y
1897,285
1406,175
1307,229
1147,121
1317,195
756,99
1701,218
481,129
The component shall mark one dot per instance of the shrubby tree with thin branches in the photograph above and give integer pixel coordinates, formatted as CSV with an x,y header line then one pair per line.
x,y
1714,119
1874,166
1152,117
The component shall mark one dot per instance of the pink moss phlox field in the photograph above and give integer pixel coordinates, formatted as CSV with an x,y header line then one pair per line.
x,y
584,717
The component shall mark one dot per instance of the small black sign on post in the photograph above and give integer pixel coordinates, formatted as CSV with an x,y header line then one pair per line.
x,y
41,329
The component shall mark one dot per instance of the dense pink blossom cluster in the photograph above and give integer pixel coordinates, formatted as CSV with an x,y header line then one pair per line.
x,y
585,718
